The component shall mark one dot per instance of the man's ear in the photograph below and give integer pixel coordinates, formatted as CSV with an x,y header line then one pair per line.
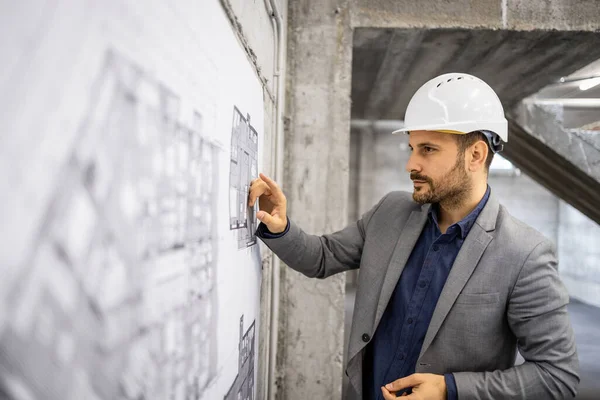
x,y
478,153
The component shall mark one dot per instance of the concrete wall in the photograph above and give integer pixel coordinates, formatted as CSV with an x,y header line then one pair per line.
x,y
528,201
317,149
502,14
579,254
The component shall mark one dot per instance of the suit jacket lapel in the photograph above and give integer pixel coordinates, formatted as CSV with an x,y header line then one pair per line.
x,y
406,242
468,257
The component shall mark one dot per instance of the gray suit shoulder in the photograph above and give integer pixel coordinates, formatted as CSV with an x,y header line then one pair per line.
x,y
521,234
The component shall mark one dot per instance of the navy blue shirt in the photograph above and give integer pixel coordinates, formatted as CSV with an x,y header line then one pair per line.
x,y
397,342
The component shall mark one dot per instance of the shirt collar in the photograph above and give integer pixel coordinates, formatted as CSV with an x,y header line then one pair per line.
x,y
465,224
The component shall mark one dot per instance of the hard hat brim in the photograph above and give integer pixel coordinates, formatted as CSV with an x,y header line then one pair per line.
x,y
498,127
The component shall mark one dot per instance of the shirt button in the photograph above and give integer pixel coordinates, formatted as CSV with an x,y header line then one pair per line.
x,y
366,337
401,357
436,247
422,284
409,321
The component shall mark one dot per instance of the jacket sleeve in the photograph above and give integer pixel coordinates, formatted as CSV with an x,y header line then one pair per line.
x,y
537,315
322,256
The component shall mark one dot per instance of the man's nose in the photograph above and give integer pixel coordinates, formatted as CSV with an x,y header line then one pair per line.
x,y
412,165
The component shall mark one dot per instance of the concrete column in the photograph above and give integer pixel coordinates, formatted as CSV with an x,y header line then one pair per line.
x,y
311,322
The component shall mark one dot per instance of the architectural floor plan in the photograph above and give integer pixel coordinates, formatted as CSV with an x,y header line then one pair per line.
x,y
244,152
243,385
119,299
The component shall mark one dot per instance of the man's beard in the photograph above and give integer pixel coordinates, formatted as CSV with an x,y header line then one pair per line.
x,y
450,190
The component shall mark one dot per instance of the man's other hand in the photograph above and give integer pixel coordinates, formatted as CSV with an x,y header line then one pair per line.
x,y
424,387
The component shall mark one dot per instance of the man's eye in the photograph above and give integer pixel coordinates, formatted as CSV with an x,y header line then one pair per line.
x,y
428,149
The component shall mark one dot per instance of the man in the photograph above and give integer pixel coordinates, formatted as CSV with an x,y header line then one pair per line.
x,y
450,284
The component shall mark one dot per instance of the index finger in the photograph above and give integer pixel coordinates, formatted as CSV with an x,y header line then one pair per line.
x,y
271,183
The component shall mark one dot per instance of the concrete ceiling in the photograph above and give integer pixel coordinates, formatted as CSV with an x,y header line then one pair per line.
x,y
389,65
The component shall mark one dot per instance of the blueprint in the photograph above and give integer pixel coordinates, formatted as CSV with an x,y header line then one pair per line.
x,y
244,161
123,275
126,257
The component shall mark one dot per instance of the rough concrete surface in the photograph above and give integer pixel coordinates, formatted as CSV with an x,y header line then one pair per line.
x,y
553,14
316,185
407,13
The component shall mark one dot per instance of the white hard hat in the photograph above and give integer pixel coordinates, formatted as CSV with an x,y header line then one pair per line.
x,y
456,103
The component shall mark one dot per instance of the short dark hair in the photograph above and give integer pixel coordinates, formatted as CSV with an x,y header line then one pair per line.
x,y
464,141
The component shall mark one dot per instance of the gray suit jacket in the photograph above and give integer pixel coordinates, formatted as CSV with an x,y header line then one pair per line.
x,y
503,292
